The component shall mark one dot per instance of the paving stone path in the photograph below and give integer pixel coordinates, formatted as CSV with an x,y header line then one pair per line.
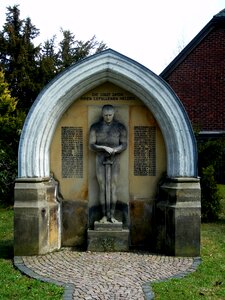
x,y
105,275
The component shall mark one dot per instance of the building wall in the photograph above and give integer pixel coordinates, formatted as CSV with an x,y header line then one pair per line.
x,y
199,81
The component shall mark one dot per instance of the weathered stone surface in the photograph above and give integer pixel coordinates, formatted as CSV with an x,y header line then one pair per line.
x,y
108,240
179,217
36,217
141,226
108,226
74,223
185,228
181,190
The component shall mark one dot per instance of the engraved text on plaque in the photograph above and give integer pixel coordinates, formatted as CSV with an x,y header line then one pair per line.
x,y
72,152
144,151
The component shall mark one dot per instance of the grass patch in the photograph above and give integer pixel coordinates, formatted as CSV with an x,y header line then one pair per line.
x,y
14,285
222,202
208,282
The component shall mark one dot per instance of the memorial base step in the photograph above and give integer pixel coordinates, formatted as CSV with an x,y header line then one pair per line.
x,y
108,239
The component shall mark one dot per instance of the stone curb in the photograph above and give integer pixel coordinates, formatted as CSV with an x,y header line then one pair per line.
x,y
69,288
147,289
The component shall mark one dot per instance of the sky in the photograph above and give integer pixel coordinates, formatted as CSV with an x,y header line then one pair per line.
x,y
152,32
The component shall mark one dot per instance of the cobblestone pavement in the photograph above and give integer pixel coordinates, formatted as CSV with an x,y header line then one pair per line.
x,y
105,275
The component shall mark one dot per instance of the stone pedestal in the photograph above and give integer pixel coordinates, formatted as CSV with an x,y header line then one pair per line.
x,y
108,237
37,216
178,217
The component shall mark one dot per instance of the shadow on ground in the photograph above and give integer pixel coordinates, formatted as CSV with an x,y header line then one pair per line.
x,y
6,249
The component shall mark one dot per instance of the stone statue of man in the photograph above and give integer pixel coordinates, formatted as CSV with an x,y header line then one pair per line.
x,y
108,138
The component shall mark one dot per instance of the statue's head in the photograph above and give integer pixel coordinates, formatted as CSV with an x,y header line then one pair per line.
x,y
108,112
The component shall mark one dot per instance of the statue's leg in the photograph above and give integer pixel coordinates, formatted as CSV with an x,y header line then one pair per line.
x,y
100,173
108,190
114,180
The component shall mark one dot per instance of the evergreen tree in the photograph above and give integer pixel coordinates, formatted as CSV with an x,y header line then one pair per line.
x,y
19,57
48,61
11,120
67,50
72,50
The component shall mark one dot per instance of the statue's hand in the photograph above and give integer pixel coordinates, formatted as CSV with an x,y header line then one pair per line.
x,y
109,150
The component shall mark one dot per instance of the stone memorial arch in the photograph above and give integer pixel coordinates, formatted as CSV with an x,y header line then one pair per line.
x,y
56,192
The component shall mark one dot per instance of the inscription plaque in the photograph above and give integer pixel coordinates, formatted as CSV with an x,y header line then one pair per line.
x,y
107,96
144,151
72,152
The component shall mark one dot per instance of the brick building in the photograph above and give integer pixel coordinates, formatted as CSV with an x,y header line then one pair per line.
x,y
197,75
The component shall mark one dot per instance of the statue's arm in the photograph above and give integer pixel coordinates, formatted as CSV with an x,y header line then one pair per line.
x,y
92,142
123,140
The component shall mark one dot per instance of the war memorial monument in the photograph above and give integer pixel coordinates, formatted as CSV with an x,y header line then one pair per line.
x,y
107,162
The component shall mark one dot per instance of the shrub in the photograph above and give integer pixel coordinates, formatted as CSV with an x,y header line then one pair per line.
x,y
210,195
212,152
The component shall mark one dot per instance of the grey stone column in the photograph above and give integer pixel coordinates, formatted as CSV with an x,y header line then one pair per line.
x,y
178,217
37,216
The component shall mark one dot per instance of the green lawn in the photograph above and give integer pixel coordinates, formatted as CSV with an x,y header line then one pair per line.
x,y
222,192
208,282
14,285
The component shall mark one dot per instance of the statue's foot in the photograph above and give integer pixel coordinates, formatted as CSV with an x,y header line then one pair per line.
x,y
115,221
103,220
